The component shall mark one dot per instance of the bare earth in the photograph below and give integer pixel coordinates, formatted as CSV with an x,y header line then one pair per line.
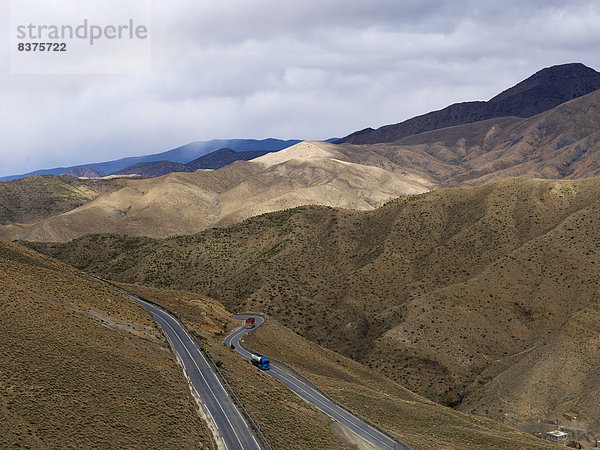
x,y
81,365
486,294
561,143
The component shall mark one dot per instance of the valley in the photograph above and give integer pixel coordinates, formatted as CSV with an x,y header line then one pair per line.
x,y
439,276
286,418
447,292
562,143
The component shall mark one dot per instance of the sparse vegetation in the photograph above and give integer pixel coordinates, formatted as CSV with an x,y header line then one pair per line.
x,y
83,365
285,418
281,415
30,199
445,292
414,419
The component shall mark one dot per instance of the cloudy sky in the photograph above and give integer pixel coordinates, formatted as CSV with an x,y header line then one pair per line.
x,y
309,69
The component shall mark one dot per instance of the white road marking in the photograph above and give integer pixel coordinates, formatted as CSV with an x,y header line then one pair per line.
x,y
331,407
326,404
194,387
205,381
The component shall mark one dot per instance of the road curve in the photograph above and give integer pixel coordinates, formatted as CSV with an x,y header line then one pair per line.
x,y
310,394
235,432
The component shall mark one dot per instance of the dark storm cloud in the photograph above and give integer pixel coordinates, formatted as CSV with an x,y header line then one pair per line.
x,y
310,69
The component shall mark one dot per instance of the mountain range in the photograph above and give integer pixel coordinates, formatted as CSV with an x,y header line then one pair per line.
x,y
542,91
454,254
214,160
487,296
563,142
184,203
182,155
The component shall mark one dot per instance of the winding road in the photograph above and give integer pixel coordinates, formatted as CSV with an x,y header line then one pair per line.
x,y
233,429
310,394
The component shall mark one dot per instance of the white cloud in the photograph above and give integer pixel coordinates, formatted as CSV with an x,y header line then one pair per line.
x,y
293,69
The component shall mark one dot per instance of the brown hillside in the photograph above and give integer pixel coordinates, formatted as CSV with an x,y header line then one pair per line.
x,y
285,418
561,143
81,365
30,199
542,91
455,290
420,422
182,203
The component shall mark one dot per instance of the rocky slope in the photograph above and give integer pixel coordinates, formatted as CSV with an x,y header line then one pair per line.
x,y
561,143
31,199
83,365
542,91
180,203
475,294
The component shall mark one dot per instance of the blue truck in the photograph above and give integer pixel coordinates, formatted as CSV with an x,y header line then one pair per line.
x,y
262,362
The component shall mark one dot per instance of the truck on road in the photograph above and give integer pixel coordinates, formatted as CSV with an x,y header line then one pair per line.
x,y
262,362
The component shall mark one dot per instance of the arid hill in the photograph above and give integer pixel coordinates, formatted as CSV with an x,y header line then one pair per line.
x,y
83,365
385,402
182,203
40,196
285,418
542,91
487,295
561,143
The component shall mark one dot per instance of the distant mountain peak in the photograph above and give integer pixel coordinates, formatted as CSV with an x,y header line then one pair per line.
x,y
580,78
180,155
540,92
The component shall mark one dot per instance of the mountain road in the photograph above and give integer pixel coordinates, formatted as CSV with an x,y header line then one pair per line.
x,y
310,393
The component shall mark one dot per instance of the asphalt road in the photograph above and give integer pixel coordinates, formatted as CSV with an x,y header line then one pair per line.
x,y
233,428
308,393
